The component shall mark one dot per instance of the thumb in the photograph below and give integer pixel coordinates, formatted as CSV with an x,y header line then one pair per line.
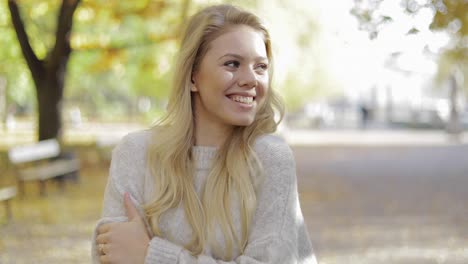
x,y
130,208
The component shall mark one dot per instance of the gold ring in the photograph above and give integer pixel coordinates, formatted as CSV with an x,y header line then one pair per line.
x,y
101,249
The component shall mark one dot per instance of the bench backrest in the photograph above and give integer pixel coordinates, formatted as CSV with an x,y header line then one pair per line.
x,y
32,152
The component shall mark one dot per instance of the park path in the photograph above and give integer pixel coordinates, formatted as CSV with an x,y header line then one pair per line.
x,y
385,204
364,201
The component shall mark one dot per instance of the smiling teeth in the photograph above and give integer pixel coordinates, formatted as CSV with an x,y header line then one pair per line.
x,y
242,99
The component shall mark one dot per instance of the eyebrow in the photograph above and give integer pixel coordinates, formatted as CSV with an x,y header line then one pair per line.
x,y
240,57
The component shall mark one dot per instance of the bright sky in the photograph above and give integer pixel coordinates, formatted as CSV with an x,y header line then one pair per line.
x,y
356,59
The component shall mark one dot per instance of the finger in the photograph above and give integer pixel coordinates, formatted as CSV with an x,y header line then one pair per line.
x,y
104,259
102,239
105,249
103,228
130,208
102,249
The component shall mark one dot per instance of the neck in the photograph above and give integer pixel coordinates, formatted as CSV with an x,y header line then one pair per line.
x,y
210,134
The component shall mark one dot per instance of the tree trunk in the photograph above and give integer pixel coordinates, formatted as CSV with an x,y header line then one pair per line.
x,y
49,109
389,106
48,74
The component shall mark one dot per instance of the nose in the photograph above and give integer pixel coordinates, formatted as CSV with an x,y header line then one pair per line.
x,y
248,78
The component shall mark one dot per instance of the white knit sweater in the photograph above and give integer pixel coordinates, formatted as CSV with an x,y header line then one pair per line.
x,y
278,232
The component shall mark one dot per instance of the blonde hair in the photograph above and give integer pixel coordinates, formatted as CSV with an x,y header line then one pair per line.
x,y
236,170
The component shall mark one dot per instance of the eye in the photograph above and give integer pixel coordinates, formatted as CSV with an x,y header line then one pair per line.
x,y
262,67
234,64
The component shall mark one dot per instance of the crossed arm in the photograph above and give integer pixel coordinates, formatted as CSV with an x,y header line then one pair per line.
x,y
123,242
278,233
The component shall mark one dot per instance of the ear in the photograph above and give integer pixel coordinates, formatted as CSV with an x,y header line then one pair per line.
x,y
193,87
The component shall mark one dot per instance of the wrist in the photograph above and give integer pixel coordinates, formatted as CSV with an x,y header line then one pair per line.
x,y
145,248
146,244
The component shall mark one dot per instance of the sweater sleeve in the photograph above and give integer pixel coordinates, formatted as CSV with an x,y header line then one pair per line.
x,y
278,232
122,173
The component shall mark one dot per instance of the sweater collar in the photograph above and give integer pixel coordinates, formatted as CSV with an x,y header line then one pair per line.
x,y
203,156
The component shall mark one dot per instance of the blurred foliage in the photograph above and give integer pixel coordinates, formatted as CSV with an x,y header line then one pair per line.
x,y
123,52
12,66
449,16
300,51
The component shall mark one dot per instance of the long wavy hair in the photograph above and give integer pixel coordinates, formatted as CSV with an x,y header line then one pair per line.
x,y
236,170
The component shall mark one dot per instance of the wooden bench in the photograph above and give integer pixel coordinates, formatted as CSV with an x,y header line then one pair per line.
x,y
40,162
6,194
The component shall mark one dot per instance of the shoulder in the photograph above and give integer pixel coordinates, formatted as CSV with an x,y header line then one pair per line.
x,y
129,156
274,150
128,163
134,143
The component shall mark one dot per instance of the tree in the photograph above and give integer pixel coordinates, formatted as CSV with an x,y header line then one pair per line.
x,y
49,69
48,74
122,51
448,16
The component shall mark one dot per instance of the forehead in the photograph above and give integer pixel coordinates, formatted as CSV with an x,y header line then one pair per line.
x,y
241,40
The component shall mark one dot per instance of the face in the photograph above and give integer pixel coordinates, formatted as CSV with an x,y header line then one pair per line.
x,y
231,81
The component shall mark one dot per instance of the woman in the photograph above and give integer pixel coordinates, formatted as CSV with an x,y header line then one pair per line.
x,y
208,184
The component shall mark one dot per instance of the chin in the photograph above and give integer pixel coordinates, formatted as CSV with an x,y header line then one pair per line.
x,y
243,122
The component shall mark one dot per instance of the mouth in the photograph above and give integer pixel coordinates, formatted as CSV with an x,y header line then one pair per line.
x,y
247,100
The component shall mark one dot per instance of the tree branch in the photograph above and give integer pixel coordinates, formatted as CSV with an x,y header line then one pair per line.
x,y
35,65
62,47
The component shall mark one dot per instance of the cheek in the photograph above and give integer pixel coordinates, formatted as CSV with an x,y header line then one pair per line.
x,y
263,88
220,81
226,78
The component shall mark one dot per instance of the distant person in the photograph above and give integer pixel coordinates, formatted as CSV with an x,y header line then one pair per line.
x,y
209,183
364,112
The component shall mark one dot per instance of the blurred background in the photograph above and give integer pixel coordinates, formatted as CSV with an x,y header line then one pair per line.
x,y
377,115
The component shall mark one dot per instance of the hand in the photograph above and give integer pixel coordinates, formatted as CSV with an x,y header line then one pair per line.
x,y
125,242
